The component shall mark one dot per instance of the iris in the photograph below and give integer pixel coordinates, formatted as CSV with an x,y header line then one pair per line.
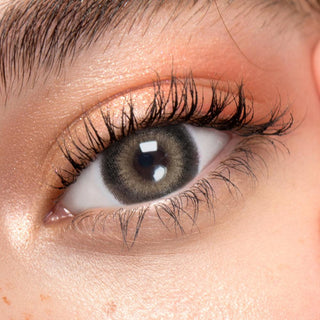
x,y
150,164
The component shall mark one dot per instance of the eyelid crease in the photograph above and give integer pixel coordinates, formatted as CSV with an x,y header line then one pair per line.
x,y
223,86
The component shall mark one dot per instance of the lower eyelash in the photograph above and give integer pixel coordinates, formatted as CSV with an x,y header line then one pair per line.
x,y
185,206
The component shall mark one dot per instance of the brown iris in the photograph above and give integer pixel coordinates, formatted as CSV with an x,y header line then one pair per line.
x,y
149,164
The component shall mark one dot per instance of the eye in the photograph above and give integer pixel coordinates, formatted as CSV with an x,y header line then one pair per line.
x,y
145,166
158,154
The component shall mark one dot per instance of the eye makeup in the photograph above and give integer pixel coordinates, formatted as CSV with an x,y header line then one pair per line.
x,y
165,104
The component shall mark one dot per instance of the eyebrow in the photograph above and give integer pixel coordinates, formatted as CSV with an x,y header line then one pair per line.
x,y
45,33
37,33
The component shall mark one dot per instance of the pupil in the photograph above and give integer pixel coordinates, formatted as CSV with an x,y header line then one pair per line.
x,y
150,161
145,159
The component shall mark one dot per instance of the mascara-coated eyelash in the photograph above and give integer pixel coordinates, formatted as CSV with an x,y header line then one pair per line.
x,y
182,103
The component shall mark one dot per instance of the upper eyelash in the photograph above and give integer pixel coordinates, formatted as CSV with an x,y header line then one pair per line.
x,y
185,107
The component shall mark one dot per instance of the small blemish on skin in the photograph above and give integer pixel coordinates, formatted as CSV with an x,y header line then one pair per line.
x,y
111,308
6,301
44,297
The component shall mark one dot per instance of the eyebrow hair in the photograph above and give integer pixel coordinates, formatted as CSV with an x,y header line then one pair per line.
x,y
45,33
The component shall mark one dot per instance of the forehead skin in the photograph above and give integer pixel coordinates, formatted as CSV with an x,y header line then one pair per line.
x,y
261,262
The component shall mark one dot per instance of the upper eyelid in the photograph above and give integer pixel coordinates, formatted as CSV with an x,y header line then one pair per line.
x,y
144,89
226,91
118,101
222,85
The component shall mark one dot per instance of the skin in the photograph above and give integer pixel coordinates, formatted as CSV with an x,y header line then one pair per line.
x,y
260,260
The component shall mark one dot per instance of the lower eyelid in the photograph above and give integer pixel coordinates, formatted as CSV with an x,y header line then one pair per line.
x,y
114,229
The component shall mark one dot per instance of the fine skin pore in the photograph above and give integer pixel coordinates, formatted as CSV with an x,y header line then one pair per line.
x,y
260,259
